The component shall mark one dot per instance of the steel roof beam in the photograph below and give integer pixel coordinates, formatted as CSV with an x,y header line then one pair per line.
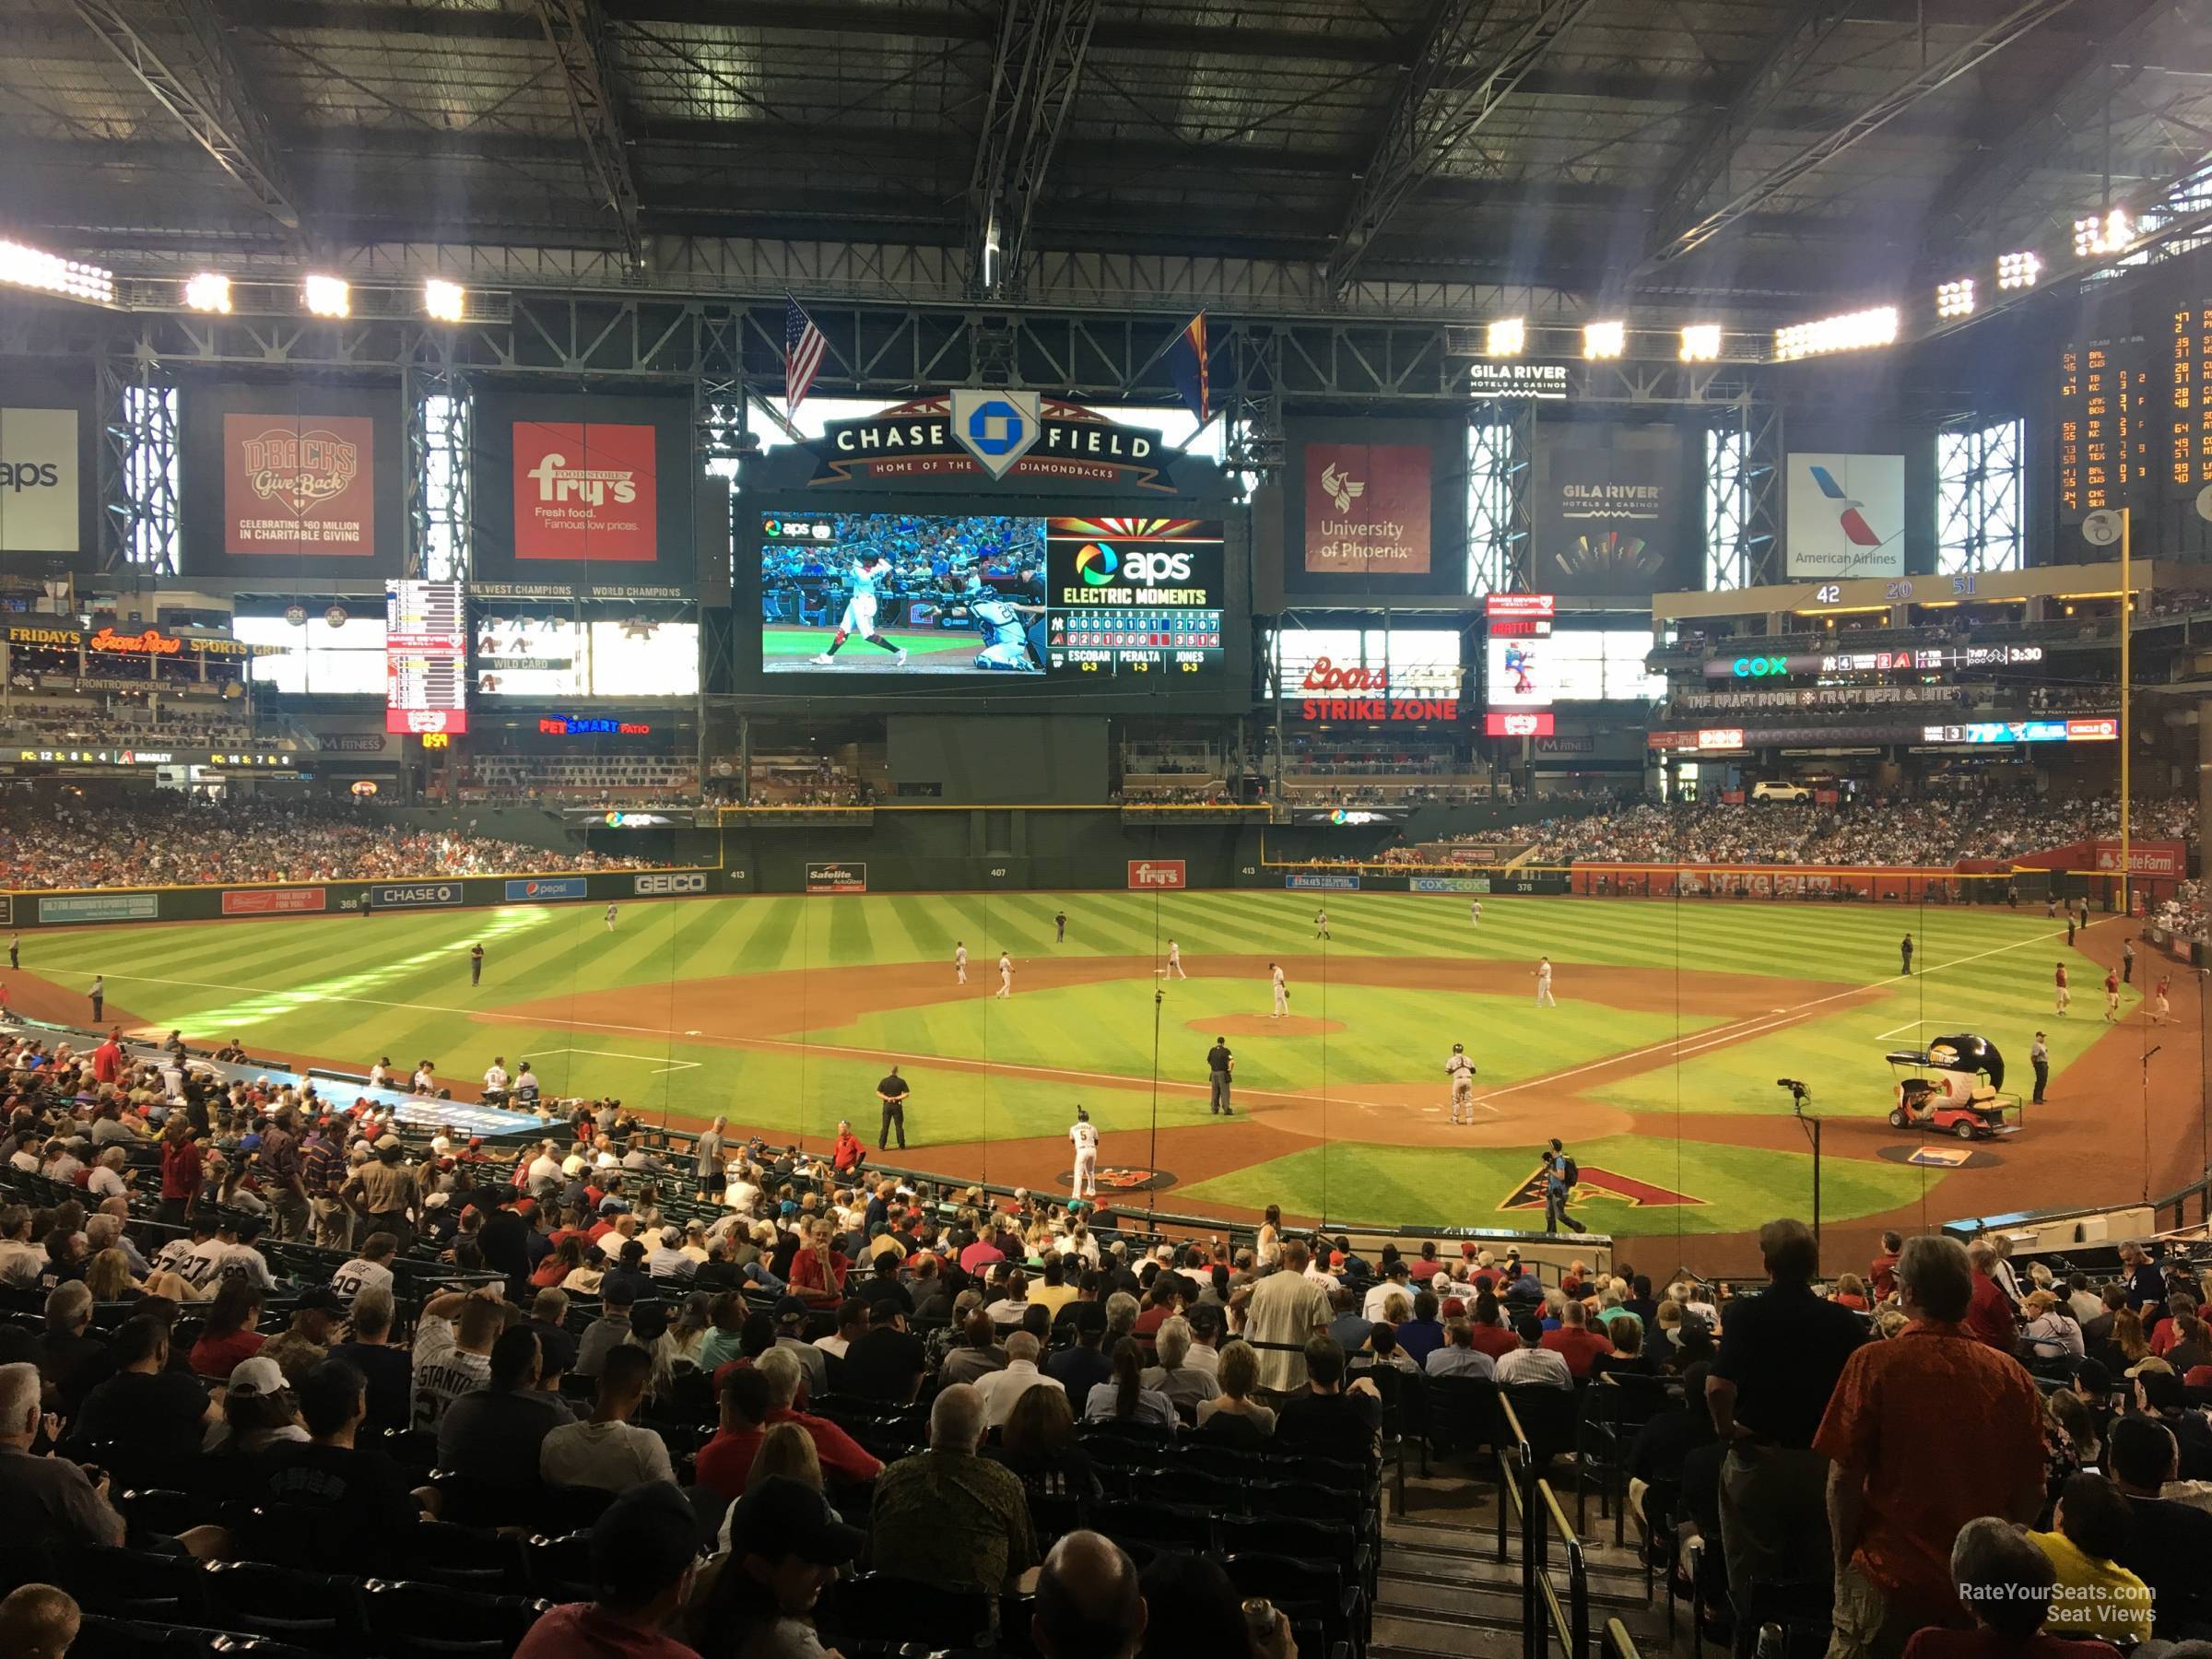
x,y
1036,72
2023,19
195,77
1469,62
576,30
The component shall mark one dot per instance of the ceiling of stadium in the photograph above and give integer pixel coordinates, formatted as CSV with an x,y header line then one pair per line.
x,y
1771,151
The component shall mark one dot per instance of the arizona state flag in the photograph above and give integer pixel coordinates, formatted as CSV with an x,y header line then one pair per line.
x,y
1187,362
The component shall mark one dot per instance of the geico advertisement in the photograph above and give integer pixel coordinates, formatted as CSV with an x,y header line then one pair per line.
x,y
1089,571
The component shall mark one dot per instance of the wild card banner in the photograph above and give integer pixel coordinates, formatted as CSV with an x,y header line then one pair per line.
x,y
1614,518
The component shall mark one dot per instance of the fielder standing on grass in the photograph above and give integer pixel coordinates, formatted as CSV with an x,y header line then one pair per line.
x,y
1321,923
1005,976
1282,990
2061,992
1461,1071
1544,998
98,993
1175,961
475,963
610,918
1475,912
960,962
1083,1135
1219,1063
1059,927
1904,954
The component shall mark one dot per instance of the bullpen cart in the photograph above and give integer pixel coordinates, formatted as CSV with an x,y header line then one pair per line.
x,y
1955,1087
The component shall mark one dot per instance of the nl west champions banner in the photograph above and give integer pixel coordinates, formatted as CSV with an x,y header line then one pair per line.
x,y
585,491
1367,509
1611,511
1846,515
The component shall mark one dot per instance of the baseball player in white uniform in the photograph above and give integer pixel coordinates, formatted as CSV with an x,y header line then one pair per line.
x,y
1006,975
1083,1135
610,918
1282,990
1544,983
1175,961
1461,1071
860,611
1475,913
1321,923
960,962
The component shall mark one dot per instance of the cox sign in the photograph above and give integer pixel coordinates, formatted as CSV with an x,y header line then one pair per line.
x,y
1759,668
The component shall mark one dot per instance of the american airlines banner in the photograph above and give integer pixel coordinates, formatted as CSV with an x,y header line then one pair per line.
x,y
1845,516
1614,518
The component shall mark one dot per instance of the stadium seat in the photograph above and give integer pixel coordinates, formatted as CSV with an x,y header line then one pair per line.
x,y
413,1620
1613,1409
876,1607
137,1583
464,1558
315,1610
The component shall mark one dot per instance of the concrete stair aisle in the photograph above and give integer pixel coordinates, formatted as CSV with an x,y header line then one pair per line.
x,y
1441,1591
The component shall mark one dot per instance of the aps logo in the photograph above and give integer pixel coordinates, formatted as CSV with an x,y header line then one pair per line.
x,y
1098,564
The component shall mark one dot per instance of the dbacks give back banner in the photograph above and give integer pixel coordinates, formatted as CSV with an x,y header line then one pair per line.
x,y
297,483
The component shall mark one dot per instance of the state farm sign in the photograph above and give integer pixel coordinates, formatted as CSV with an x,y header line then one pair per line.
x,y
584,491
1156,872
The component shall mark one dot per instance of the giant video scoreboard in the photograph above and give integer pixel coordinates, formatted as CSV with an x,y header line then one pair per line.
x,y
2133,412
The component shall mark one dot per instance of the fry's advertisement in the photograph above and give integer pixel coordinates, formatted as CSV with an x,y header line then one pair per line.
x,y
585,492
299,484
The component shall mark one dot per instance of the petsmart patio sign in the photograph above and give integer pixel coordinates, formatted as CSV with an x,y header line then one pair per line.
x,y
996,433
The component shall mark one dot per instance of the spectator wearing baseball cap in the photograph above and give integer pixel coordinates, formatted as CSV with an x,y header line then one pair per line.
x,y
643,1550
1532,1363
785,1546
258,1409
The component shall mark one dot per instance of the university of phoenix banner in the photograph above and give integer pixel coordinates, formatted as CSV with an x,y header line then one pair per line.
x,y
1614,517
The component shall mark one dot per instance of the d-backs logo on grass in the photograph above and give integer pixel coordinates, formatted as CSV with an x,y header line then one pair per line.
x,y
1124,1178
1597,1182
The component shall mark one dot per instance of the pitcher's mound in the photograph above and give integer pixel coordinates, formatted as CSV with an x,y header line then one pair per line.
x,y
1264,1024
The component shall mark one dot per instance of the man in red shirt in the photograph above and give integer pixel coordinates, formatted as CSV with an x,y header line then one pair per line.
x,y
724,1460
107,1061
183,1169
1575,1342
1882,1271
848,1155
1926,1431
2063,993
1428,1267
2111,993
1989,1316
1490,1337
842,1458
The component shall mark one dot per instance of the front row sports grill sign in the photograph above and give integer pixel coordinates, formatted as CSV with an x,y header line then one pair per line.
x,y
996,432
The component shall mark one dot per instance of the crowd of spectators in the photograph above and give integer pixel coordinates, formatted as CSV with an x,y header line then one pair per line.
x,y
796,1368
1875,831
168,838
114,719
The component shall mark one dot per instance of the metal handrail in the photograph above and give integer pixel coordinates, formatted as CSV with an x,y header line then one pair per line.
x,y
1616,1643
1538,1510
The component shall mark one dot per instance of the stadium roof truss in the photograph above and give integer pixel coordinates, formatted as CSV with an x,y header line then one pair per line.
x,y
1362,159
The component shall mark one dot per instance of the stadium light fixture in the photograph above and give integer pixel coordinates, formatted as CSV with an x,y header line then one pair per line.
x,y
327,296
1954,299
2018,270
28,267
208,291
1850,330
1609,339
1506,338
2099,233
443,301
1702,342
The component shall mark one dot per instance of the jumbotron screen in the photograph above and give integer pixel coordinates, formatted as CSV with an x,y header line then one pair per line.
x,y
898,593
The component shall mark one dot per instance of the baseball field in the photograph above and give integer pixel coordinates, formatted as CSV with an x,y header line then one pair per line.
x,y
1658,1066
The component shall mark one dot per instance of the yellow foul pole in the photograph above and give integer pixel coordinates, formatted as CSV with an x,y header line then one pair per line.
x,y
2127,630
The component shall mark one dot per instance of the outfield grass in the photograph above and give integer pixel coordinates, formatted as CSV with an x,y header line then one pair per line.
x,y
349,990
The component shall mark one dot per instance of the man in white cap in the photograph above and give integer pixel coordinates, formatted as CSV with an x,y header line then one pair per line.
x,y
1461,1071
667,1260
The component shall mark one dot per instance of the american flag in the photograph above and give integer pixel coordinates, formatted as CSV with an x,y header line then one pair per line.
x,y
803,349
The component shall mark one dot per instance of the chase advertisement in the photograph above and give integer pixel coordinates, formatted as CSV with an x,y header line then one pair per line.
x,y
991,433
1614,518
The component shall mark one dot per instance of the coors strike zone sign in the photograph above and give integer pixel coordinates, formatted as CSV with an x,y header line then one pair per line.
x,y
994,432
299,484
